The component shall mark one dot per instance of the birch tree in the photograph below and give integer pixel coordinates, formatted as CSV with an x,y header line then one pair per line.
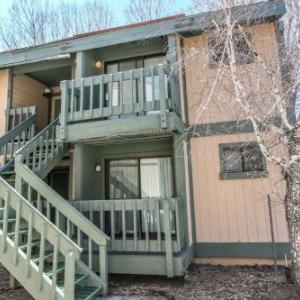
x,y
145,10
35,22
262,89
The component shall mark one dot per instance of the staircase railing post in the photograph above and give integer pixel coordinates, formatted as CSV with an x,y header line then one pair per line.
x,y
70,259
103,268
162,96
64,86
168,238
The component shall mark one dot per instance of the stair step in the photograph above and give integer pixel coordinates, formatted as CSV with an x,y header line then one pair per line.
x,y
87,292
47,254
33,244
9,221
78,279
49,270
23,231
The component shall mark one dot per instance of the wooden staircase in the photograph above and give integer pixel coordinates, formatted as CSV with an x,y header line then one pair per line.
x,y
42,237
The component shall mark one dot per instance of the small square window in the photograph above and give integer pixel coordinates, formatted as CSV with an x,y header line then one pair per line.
x,y
243,52
241,160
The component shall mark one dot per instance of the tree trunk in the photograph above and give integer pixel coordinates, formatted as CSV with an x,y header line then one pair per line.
x,y
293,208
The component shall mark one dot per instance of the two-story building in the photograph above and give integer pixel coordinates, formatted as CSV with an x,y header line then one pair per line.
x,y
107,166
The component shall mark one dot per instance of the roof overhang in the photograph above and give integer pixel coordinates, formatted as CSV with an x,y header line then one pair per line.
x,y
254,13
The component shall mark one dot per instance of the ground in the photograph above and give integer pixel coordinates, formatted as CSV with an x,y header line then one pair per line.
x,y
201,282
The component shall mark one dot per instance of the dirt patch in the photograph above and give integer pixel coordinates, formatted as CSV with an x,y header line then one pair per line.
x,y
200,282
8,294
210,282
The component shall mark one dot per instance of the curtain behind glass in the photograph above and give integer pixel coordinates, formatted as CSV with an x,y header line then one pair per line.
x,y
156,181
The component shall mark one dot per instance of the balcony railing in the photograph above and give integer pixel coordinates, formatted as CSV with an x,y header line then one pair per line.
x,y
119,95
137,225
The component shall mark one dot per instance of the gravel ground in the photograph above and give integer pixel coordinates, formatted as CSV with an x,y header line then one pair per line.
x,y
201,282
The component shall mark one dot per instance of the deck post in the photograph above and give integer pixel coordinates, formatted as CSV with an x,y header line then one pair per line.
x,y
173,76
64,85
70,260
162,96
13,283
168,239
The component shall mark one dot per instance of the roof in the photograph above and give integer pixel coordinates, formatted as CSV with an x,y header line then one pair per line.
x,y
259,12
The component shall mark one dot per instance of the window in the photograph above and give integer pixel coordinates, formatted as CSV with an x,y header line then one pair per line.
x,y
241,160
243,53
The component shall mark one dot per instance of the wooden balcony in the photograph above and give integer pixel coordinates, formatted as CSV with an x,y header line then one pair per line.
x,y
139,226
137,101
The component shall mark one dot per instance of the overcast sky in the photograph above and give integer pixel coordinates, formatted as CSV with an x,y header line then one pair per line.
x,y
118,6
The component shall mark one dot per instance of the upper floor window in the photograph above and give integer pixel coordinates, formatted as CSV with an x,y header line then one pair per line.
x,y
241,160
243,51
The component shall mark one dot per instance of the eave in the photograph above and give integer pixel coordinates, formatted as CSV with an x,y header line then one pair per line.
x,y
261,12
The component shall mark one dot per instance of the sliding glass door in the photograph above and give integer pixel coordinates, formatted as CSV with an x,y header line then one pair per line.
x,y
139,178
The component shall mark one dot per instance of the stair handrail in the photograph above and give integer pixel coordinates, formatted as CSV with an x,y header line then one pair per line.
x,y
48,231
27,148
24,175
19,135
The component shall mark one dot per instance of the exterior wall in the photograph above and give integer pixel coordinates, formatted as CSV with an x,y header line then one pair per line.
x,y
233,210
29,92
210,95
231,216
4,79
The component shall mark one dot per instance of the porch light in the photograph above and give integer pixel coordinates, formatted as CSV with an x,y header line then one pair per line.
x,y
98,64
47,92
98,168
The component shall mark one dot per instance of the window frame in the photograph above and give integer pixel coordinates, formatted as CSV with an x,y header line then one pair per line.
x,y
224,174
215,41
138,158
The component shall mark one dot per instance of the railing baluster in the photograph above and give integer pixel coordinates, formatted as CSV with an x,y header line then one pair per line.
x,y
42,255
177,229
68,228
121,100
101,95
29,193
158,224
54,266
142,92
39,202
81,98
72,106
78,237
101,216
131,91
112,225
48,209
47,146
29,243
124,225
111,94
5,220
146,222
135,226
152,88
91,97
40,159
90,252
14,119
17,231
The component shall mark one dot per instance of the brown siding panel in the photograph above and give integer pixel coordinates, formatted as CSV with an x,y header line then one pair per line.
x,y
233,210
29,92
4,75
